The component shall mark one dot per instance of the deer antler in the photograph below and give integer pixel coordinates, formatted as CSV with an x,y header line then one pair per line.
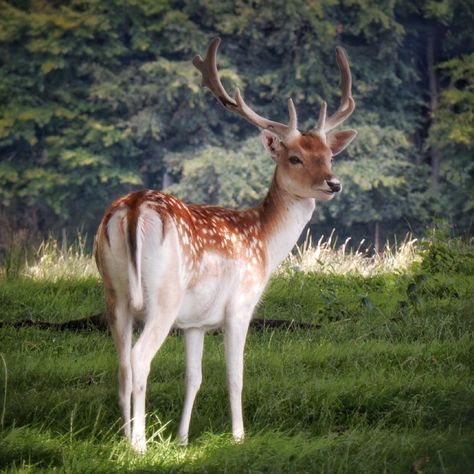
x,y
210,79
347,105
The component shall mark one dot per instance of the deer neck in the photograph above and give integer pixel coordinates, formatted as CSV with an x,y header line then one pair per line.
x,y
283,217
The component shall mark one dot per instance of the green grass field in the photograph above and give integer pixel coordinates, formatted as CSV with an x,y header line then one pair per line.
x,y
385,385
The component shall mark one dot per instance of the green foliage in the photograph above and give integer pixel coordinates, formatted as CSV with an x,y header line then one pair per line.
x,y
232,178
452,131
55,149
99,97
441,254
381,182
455,116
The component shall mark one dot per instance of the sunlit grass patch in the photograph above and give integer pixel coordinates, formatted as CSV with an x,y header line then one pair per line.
x,y
62,259
54,260
326,256
358,450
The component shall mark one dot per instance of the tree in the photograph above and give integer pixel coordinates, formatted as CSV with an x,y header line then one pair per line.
x,y
381,184
235,178
100,97
452,132
56,151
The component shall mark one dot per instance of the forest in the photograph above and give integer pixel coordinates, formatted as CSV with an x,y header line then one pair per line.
x,y
99,97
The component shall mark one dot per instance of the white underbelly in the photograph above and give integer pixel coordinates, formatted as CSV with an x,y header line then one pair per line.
x,y
204,306
204,303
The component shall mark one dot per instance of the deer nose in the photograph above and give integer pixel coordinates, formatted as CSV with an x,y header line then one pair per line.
x,y
334,185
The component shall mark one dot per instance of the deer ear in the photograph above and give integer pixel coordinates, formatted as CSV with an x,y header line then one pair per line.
x,y
338,141
271,142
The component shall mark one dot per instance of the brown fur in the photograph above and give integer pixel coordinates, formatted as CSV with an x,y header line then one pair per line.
x,y
237,234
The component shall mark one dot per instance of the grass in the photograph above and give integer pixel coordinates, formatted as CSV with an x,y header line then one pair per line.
x,y
386,384
326,257
60,260
52,260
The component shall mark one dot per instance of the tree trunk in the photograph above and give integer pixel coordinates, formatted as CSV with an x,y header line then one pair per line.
x,y
167,180
377,236
434,99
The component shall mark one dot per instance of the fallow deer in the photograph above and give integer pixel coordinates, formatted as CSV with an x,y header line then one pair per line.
x,y
199,267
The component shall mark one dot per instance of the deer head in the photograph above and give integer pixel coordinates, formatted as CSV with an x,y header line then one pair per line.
x,y
303,159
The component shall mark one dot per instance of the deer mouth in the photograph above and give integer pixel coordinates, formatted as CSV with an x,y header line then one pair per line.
x,y
324,194
329,192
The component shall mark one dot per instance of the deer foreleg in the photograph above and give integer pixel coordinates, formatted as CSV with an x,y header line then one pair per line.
x,y
234,340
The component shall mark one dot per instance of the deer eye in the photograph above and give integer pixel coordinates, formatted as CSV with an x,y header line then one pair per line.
x,y
294,160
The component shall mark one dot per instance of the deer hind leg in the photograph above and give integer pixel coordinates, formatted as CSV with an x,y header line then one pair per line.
x,y
121,326
160,314
194,342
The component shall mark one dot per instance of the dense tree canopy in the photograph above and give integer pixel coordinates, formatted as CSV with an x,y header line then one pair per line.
x,y
99,97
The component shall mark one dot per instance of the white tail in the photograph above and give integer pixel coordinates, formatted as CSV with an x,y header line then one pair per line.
x,y
201,267
134,260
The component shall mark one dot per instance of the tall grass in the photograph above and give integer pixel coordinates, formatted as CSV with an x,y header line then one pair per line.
x,y
57,259
53,259
327,257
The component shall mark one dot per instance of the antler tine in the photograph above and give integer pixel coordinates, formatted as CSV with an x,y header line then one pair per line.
x,y
293,122
210,79
321,123
347,105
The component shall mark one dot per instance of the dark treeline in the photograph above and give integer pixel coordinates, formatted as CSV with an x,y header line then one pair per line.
x,y
99,97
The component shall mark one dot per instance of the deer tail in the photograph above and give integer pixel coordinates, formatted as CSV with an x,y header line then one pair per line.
x,y
134,260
